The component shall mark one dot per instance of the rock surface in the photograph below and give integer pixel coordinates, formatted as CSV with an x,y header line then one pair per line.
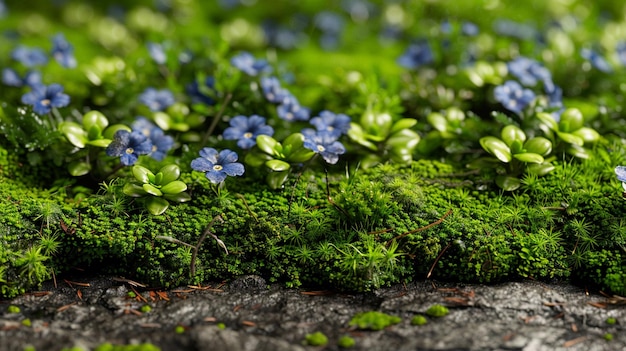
x,y
247,315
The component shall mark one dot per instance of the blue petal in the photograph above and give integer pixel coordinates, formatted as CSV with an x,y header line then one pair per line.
x,y
233,169
216,177
227,156
620,171
128,159
202,164
210,154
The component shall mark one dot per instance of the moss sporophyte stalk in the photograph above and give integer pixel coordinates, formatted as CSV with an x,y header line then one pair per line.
x,y
316,149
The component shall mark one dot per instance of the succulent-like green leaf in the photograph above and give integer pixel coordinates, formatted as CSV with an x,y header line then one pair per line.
x,y
588,135
174,187
578,151
142,174
538,145
300,155
99,142
571,138
156,205
179,197
548,120
74,133
404,138
404,123
109,133
508,183
357,134
540,169
376,124
277,165
78,168
256,159
95,119
438,121
170,173
152,190
497,148
529,157
276,179
268,144
134,190
571,120
163,120
511,134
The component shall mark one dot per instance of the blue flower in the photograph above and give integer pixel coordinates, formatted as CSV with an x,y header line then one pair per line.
x,y
323,143
620,49
246,129
596,60
529,72
291,110
272,90
44,98
198,94
335,124
63,51
128,146
13,79
161,143
29,57
246,63
157,53
416,55
515,29
217,166
513,96
470,29
157,100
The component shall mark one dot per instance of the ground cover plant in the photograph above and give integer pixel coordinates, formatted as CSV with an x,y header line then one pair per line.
x,y
349,145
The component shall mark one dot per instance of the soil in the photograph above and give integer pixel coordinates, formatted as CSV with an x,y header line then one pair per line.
x,y
247,314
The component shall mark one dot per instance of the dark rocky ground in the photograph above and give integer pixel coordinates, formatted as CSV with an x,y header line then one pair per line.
x,y
513,316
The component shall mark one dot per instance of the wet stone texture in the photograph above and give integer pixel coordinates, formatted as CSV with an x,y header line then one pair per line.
x,y
246,314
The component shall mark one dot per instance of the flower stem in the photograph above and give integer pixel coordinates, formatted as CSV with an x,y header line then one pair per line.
x,y
216,119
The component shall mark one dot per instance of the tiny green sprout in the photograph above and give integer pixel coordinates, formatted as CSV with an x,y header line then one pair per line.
x,y
611,321
374,320
26,322
221,326
13,309
419,320
437,310
145,308
346,342
608,336
179,329
131,294
29,348
162,186
316,339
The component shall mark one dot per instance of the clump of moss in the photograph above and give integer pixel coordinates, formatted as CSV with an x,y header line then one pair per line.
x,y
437,311
346,342
418,320
373,320
316,339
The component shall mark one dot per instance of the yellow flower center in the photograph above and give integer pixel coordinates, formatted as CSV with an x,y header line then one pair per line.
x,y
320,148
130,150
218,167
247,135
45,102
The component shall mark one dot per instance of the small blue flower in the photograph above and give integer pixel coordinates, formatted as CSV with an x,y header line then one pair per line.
x,y
272,90
291,110
323,143
198,93
63,51
29,57
157,53
246,63
416,55
529,72
161,143
513,96
335,124
128,146
44,98
13,79
217,166
620,49
620,172
470,29
157,100
515,29
246,129
596,60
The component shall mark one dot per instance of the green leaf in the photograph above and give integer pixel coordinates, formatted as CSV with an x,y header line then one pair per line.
x,y
170,173
100,142
163,120
109,133
180,197
174,187
152,190
578,151
588,135
158,179
548,120
156,205
508,183
295,140
276,179
376,124
405,138
404,123
301,155
134,190
277,165
511,134
256,158
540,169
497,148
357,134
571,138
74,133
268,144
571,120
142,174
538,145
529,157
438,121
95,119
78,168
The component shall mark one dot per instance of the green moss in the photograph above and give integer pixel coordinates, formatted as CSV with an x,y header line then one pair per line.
x,y
346,342
374,320
418,320
437,311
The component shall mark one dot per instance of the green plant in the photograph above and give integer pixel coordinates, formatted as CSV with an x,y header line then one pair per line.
x,y
373,320
569,133
157,188
316,339
437,311
346,342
